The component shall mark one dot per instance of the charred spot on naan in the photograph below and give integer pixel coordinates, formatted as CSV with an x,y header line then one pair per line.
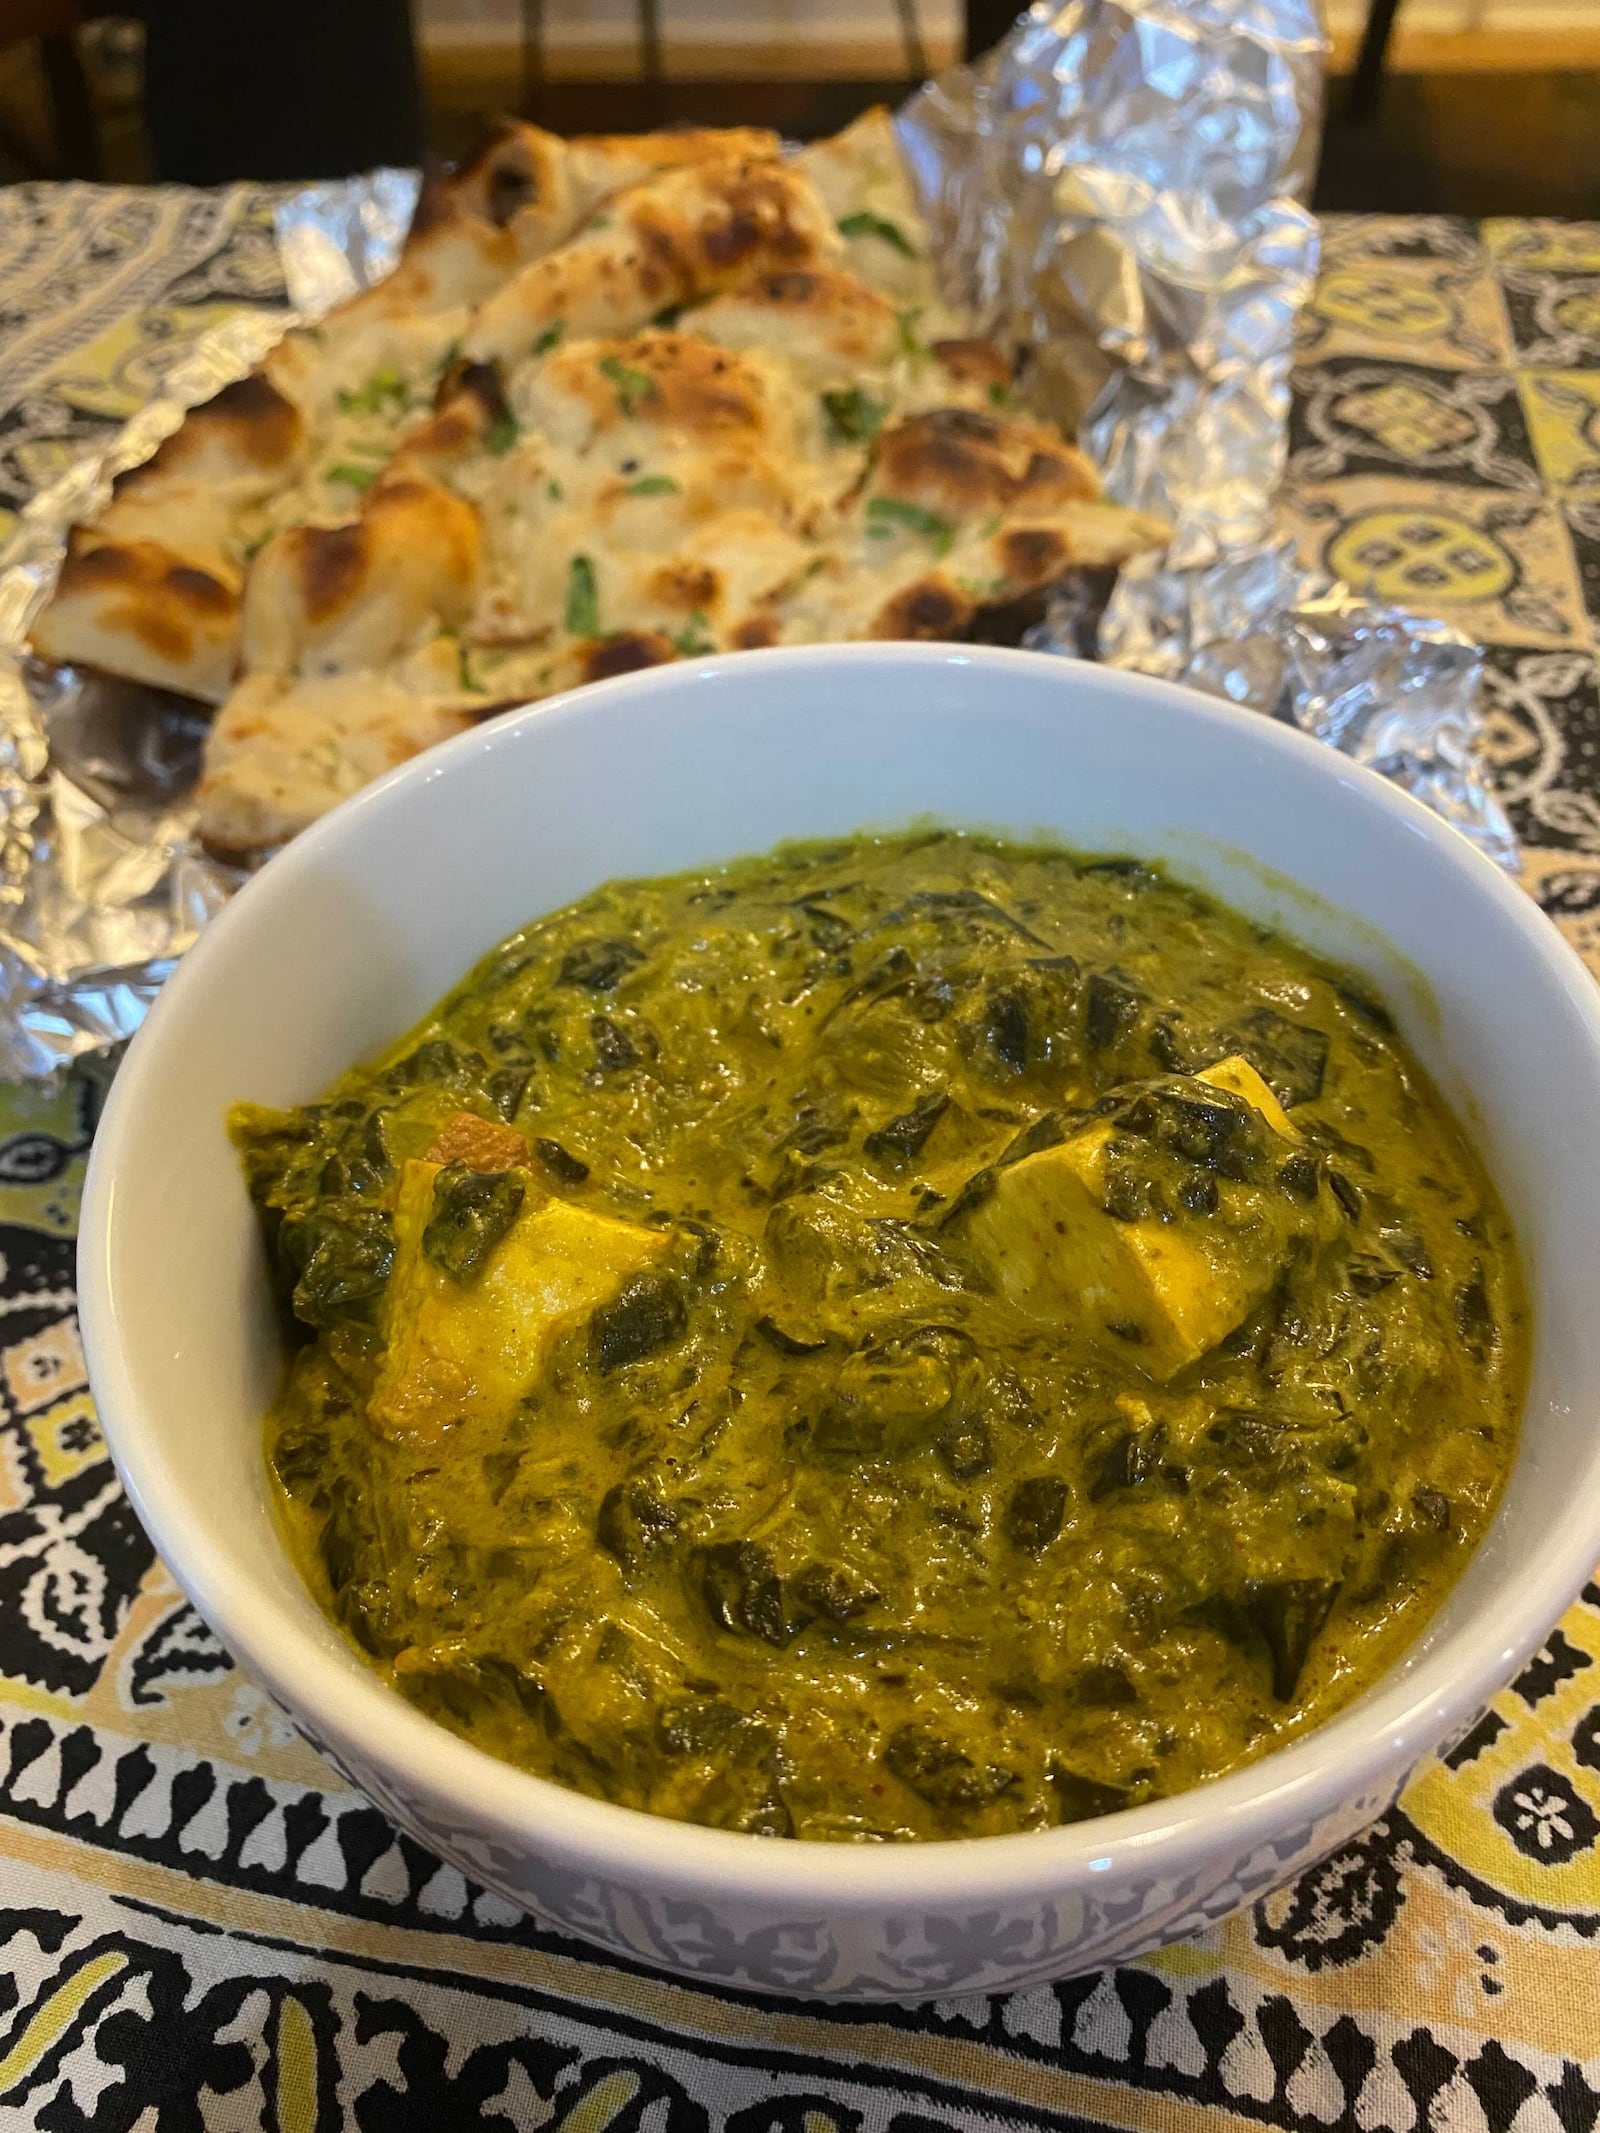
x,y
538,187
670,379
1057,474
760,220
951,456
355,595
249,424
146,564
802,312
959,461
687,586
256,417
440,198
626,652
202,593
1083,534
329,563
933,607
973,362
663,264
1031,556
518,167
480,384
824,289
471,408
135,608
448,434
688,233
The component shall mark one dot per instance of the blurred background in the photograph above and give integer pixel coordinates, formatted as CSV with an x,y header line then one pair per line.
x,y
1444,106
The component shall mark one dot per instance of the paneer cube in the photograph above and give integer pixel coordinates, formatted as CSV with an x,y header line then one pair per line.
x,y
1239,1078
1056,1253
1164,1291
470,1351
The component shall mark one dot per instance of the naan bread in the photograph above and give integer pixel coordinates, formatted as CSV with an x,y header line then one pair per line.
x,y
281,753
152,589
810,449
539,188
623,401
862,178
654,248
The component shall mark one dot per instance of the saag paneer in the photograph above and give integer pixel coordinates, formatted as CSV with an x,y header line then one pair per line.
x,y
909,1338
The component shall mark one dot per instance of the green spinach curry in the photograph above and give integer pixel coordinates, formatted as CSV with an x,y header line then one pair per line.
x,y
909,1338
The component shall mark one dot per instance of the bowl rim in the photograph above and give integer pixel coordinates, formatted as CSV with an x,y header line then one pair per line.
x,y
1362,1750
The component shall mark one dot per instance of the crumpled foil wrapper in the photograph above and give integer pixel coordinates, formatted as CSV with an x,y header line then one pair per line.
x,y
1400,695
1117,190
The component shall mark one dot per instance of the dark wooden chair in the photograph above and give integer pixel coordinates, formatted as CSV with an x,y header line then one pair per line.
x,y
73,150
650,65
987,21
1366,82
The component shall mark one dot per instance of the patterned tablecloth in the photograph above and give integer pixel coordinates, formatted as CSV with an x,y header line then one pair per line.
x,y
202,1926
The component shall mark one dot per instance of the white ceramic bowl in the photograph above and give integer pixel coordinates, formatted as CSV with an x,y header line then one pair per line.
x,y
359,926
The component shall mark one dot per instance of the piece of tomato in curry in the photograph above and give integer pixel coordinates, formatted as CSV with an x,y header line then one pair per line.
x,y
914,1337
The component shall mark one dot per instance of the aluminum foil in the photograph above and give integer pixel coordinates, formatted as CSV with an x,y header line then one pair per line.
x,y
1401,695
1117,192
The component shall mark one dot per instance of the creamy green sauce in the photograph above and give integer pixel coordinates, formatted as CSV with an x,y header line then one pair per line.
x,y
790,1423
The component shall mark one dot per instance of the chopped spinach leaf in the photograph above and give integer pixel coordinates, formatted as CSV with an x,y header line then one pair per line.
x,y
472,1210
562,1164
1036,1510
599,964
743,1592
647,1315
339,1259
900,1140
941,1772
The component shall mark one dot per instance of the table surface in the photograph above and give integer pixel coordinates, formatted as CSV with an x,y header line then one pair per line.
x,y
201,1925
